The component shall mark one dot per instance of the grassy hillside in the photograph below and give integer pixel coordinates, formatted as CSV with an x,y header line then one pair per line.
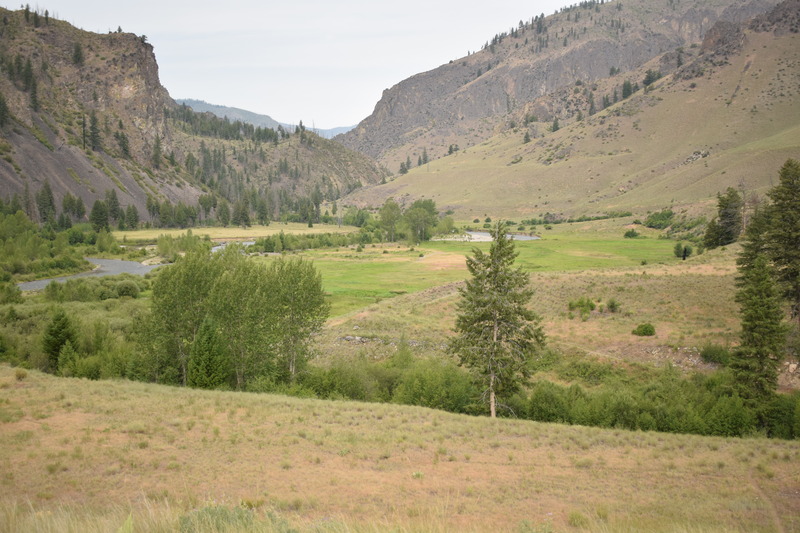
x,y
641,154
94,456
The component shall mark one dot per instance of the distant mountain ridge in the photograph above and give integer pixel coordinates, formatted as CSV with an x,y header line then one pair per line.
x,y
256,119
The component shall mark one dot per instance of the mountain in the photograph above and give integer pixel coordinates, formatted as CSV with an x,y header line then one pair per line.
x,y
234,113
87,114
730,98
467,100
264,121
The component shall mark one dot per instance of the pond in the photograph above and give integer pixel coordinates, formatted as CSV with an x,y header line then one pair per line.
x,y
485,236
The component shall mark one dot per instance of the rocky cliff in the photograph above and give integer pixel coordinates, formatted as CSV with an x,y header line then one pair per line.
x,y
467,100
87,113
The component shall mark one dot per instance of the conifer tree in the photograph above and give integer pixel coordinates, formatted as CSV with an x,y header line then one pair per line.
x,y
209,366
58,332
94,132
755,361
784,233
496,333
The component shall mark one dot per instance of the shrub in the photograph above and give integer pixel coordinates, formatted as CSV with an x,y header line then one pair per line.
x,y
438,385
548,403
644,330
584,305
715,353
127,288
660,219
631,234
613,306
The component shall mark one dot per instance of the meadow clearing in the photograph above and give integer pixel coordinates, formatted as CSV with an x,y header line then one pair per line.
x,y
82,455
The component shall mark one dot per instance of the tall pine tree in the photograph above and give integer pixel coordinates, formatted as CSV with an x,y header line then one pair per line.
x,y
496,332
755,361
784,233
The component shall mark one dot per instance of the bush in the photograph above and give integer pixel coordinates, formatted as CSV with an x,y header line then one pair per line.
x,y
612,306
631,234
715,353
584,305
659,220
127,288
644,330
548,403
438,385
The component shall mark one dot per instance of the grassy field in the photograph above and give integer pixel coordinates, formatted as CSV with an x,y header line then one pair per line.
x,y
93,456
231,233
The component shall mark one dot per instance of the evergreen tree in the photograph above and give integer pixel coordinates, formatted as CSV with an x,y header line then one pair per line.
x,y
94,132
496,333
112,204
755,362
132,217
725,229
5,114
77,54
223,213
784,232
99,216
157,155
209,366
46,203
58,332
627,89
754,243
67,357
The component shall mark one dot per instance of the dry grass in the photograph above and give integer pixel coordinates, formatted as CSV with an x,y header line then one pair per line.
x,y
232,233
91,452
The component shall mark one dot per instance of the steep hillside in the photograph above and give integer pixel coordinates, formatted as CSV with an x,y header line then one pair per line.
x,y
517,73
727,116
87,113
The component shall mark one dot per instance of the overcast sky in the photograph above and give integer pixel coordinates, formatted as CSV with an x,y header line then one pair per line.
x,y
320,61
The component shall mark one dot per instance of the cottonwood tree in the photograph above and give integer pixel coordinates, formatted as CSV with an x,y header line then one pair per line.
x,y
181,302
389,215
496,333
240,305
298,301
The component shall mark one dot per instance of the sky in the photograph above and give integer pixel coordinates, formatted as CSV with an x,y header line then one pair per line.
x,y
324,62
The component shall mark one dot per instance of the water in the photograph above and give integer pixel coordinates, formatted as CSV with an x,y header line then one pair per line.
x,y
105,267
485,236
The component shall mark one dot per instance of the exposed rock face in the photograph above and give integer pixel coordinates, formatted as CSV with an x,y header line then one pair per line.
x,y
785,18
464,101
107,88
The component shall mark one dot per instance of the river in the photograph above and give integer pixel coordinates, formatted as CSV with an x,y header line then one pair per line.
x,y
105,267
